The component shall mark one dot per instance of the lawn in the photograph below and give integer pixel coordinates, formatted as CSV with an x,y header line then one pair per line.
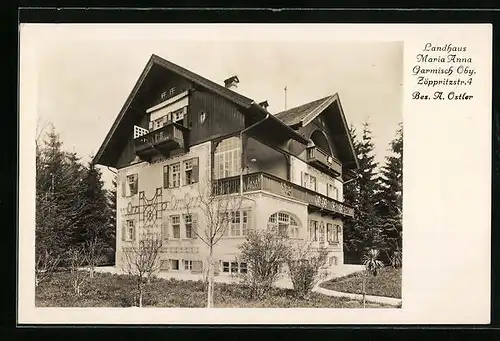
x,y
386,283
111,290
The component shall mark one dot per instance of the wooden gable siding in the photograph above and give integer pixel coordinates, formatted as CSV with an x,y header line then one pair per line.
x,y
297,149
150,96
222,117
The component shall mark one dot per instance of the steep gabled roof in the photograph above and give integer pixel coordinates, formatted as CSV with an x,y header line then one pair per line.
x,y
294,116
302,115
236,98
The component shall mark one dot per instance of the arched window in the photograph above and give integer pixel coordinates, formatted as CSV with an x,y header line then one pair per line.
x,y
227,158
285,224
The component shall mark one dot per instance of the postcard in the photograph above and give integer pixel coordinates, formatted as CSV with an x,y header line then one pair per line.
x,y
253,174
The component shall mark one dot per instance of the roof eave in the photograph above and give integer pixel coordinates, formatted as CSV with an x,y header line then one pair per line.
x,y
295,135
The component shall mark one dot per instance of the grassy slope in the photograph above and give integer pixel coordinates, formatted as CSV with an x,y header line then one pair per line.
x,y
386,283
107,290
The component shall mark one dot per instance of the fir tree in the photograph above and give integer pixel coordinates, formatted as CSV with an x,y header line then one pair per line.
x,y
94,214
363,231
390,202
52,219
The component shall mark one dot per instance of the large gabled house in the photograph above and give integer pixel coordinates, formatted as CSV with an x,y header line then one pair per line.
x,y
178,130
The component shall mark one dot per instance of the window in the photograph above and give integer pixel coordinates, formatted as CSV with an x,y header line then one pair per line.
x,y
239,224
158,123
227,158
130,186
333,233
188,225
128,233
234,267
284,223
309,181
174,264
245,226
321,233
312,182
172,91
163,95
175,175
188,265
203,117
176,226
172,173
313,230
235,224
332,191
178,115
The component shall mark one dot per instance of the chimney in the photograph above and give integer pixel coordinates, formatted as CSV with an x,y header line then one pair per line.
x,y
264,104
231,83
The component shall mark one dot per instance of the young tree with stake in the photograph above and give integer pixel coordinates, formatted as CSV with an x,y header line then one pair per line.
x,y
142,261
217,214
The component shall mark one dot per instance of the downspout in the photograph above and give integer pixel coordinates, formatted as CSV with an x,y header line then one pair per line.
x,y
242,160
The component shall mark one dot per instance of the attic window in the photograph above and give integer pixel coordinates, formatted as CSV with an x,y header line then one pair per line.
x,y
172,91
163,95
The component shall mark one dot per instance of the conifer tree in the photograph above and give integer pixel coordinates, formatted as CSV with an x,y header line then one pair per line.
x,y
94,215
390,202
363,231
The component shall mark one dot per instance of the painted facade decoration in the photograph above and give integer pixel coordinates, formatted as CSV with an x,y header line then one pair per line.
x,y
185,134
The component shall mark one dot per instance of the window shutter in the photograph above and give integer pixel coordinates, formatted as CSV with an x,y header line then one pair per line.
x,y
123,230
165,177
164,230
194,226
196,170
133,233
136,183
302,179
197,266
123,187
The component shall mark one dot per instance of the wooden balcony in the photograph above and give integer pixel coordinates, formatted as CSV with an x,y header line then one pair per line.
x,y
270,183
160,141
318,157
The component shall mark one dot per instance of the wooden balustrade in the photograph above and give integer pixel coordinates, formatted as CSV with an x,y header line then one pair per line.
x,y
270,183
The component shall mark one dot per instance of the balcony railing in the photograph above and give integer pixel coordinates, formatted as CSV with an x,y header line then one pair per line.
x,y
322,159
270,183
160,141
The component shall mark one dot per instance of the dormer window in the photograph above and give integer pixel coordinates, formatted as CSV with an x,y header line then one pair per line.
x,y
163,95
172,91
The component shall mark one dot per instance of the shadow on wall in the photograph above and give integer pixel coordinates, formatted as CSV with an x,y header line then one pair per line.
x,y
261,158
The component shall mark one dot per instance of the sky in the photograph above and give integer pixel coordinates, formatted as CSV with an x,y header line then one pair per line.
x,y
85,74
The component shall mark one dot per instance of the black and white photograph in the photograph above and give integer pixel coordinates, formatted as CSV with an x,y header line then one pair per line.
x,y
219,173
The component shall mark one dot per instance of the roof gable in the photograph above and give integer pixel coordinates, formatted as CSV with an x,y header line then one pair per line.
x,y
103,157
304,114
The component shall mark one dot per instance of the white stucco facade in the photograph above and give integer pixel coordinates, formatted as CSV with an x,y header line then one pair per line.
x,y
151,208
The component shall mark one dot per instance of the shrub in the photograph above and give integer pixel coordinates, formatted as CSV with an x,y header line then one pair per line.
x,y
264,251
305,266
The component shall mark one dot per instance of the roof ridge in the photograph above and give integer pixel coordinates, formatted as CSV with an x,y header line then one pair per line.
x,y
322,99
